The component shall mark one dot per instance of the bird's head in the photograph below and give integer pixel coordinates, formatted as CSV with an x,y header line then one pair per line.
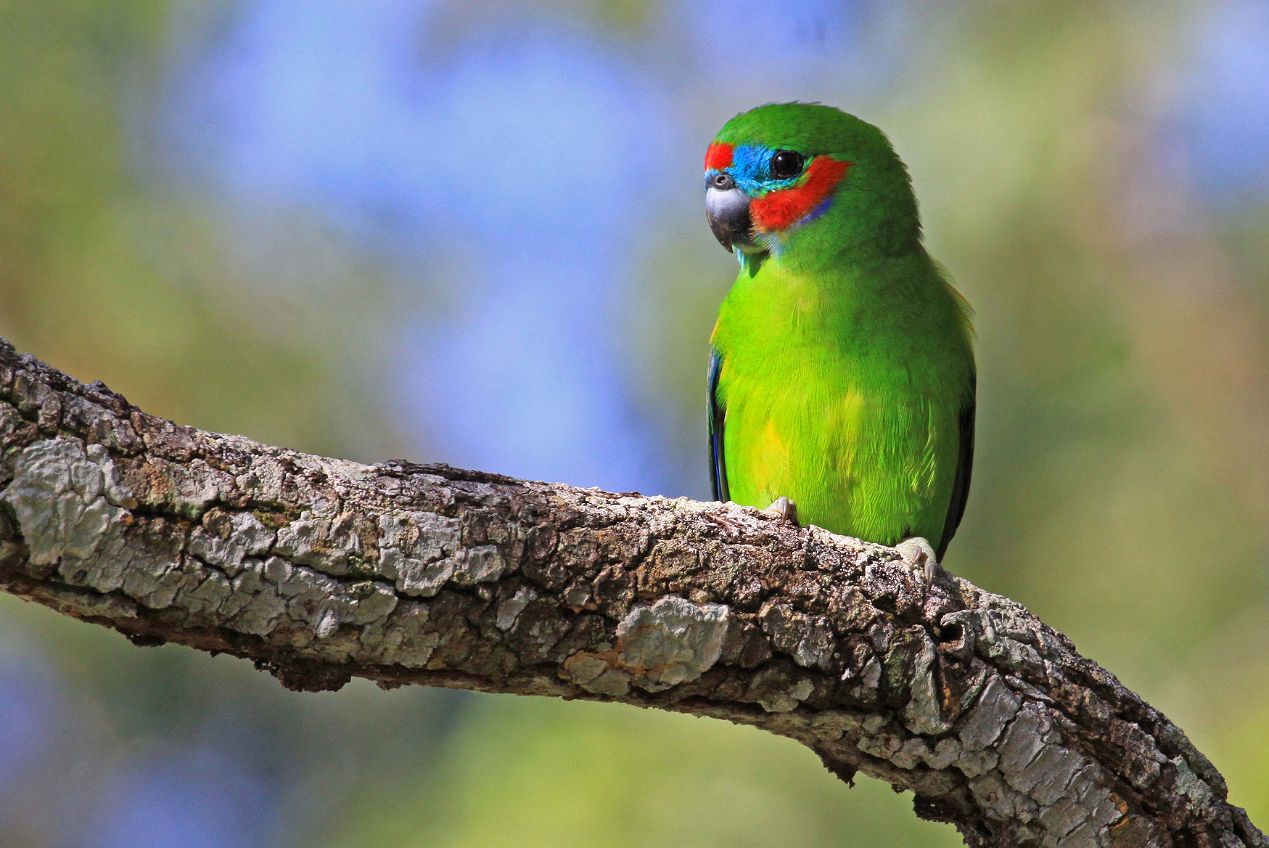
x,y
802,182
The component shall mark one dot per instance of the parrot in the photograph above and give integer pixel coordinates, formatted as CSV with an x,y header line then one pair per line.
x,y
841,373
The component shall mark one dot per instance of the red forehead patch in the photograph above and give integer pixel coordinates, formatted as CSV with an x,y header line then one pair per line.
x,y
718,156
779,209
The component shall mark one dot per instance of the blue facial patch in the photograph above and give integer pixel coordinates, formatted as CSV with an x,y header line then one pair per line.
x,y
751,169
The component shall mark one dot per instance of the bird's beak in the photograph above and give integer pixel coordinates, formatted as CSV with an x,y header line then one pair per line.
x,y
727,210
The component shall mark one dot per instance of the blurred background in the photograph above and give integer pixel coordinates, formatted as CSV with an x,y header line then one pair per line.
x,y
472,232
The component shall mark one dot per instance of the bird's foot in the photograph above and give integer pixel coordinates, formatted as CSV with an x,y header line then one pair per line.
x,y
784,509
918,554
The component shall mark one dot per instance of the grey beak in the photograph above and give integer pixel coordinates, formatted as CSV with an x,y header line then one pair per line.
x,y
727,210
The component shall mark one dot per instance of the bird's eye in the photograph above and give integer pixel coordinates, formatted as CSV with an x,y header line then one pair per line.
x,y
786,164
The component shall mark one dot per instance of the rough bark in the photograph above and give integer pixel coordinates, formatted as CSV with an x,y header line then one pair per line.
x,y
319,569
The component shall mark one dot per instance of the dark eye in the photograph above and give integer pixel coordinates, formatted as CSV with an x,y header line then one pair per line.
x,y
786,164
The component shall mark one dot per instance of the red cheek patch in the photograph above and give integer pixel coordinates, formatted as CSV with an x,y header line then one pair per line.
x,y
779,209
718,156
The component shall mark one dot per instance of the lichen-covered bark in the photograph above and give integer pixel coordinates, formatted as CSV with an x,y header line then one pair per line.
x,y
319,569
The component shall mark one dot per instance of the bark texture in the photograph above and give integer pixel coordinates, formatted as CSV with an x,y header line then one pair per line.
x,y
319,569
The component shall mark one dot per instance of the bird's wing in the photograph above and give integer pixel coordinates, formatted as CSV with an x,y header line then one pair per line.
x,y
964,465
717,464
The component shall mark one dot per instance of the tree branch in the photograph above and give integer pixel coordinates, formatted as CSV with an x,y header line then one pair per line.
x,y
320,569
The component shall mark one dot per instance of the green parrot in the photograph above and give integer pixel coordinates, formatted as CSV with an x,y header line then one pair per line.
x,y
841,376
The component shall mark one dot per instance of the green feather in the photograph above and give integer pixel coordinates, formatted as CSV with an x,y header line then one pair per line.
x,y
846,378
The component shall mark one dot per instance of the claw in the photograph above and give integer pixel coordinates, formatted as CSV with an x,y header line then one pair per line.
x,y
784,509
918,554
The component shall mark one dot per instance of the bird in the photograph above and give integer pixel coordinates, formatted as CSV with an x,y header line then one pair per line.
x,y
841,373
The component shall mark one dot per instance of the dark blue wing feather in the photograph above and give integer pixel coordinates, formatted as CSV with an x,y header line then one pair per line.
x,y
717,464
964,465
